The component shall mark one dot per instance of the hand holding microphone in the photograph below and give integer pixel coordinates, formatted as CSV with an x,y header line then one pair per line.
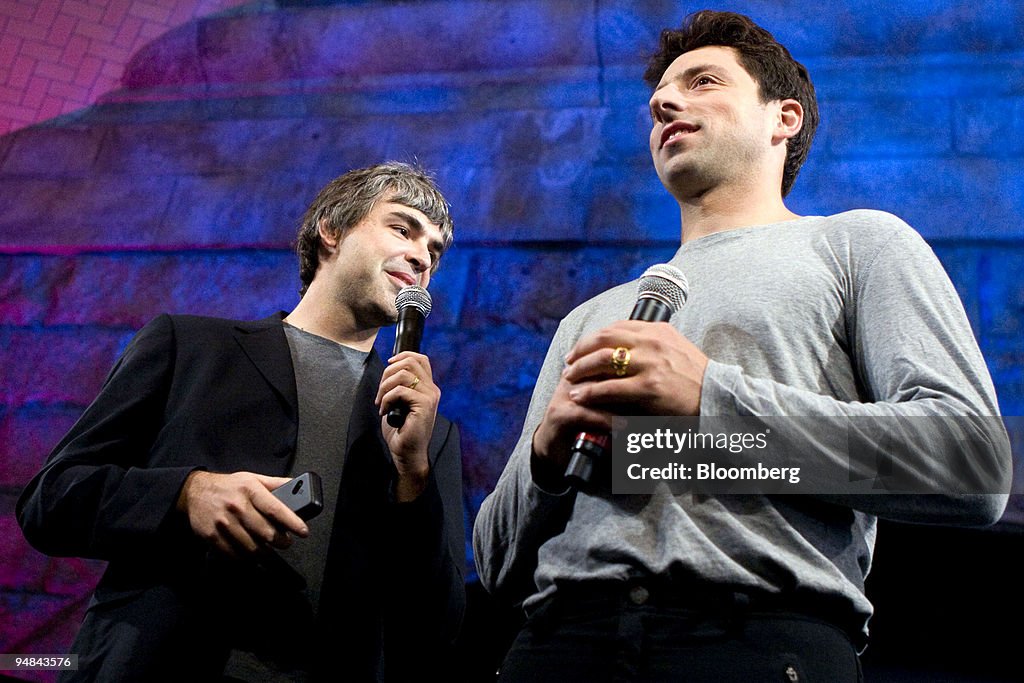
x,y
408,397
413,304
661,292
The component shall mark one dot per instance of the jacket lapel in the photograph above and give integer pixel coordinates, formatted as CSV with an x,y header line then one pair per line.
x,y
265,344
364,417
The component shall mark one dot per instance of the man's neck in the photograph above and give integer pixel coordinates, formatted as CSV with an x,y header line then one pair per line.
x,y
315,315
730,208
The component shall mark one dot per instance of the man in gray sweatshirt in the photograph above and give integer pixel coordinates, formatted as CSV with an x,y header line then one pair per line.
x,y
830,319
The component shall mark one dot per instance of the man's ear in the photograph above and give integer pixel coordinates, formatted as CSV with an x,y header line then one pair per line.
x,y
790,120
328,238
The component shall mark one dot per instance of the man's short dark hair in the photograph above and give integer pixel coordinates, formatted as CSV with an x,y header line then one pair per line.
x,y
349,198
777,74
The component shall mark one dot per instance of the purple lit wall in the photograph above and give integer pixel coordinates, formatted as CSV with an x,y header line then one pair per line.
x,y
180,192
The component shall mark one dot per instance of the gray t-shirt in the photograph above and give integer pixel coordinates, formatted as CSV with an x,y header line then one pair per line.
x,y
829,317
327,375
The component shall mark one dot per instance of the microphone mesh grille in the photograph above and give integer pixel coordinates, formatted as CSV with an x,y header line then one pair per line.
x,y
415,296
665,283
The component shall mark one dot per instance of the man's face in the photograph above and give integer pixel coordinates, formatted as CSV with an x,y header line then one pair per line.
x,y
392,247
709,124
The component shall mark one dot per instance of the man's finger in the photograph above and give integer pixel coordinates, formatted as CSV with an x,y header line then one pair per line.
x,y
270,507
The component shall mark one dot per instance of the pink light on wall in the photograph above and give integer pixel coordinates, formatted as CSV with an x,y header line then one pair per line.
x,y
57,56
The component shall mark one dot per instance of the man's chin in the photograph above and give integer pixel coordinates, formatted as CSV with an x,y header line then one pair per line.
x,y
378,316
388,315
685,181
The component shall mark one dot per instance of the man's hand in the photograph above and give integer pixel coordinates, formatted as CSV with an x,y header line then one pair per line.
x,y
409,379
664,376
237,513
563,420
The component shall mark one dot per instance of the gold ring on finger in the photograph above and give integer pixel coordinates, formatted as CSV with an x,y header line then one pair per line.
x,y
620,360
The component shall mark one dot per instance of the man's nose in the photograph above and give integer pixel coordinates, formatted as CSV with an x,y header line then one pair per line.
x,y
667,100
418,256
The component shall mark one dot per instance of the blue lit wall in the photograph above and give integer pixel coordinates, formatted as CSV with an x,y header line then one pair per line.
x,y
181,193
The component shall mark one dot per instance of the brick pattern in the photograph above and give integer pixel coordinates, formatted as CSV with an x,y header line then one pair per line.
x,y
57,56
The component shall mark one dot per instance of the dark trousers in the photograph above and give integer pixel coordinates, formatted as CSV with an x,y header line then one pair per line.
x,y
623,638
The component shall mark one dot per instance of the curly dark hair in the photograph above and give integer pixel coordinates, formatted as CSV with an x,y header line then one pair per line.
x,y
769,63
349,198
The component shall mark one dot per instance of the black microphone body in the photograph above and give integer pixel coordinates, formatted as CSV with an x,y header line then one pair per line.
x,y
651,311
413,305
409,330
663,289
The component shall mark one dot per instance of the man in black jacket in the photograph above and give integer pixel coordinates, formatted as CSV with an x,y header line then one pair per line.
x,y
168,474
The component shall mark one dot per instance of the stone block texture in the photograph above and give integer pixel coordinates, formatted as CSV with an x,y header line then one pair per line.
x,y
181,190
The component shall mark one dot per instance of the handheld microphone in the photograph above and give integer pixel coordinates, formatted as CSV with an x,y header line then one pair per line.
x,y
662,291
413,304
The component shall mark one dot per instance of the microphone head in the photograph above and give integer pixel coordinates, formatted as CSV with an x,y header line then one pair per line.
x,y
415,296
666,283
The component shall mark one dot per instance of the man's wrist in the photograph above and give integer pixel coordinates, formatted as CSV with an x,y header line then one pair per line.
x,y
411,484
186,491
547,474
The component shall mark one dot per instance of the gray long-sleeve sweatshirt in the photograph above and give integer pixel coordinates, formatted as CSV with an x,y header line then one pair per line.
x,y
832,317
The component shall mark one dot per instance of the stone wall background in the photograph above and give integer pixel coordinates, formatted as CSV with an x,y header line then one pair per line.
x,y
180,191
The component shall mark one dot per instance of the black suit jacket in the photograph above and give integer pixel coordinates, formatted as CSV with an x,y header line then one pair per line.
x,y
203,393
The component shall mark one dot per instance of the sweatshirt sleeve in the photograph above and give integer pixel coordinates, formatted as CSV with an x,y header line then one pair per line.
x,y
519,515
930,411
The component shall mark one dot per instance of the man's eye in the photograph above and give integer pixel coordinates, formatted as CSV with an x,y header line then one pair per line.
x,y
702,80
402,230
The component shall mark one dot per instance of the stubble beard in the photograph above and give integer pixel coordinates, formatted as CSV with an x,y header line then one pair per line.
x,y
689,177
705,168
372,305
